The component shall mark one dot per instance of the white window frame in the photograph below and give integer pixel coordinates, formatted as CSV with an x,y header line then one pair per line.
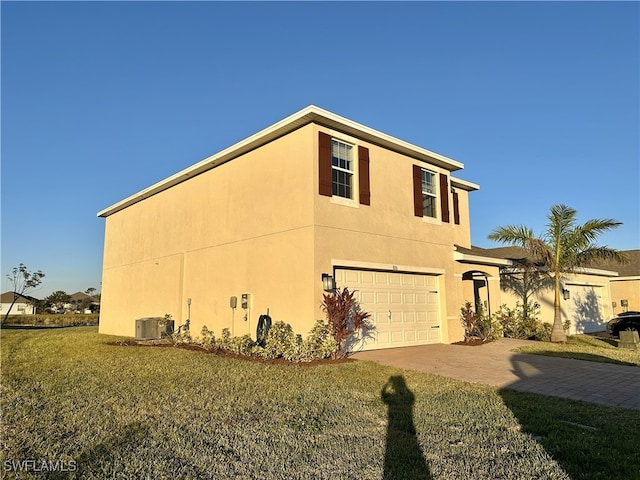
x,y
350,172
426,192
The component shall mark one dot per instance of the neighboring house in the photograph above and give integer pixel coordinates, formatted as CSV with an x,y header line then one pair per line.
x,y
625,288
586,298
25,305
261,226
83,303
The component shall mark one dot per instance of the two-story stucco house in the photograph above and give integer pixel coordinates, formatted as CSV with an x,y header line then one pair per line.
x,y
264,221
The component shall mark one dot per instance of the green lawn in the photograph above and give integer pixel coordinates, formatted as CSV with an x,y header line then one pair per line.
x,y
150,412
585,347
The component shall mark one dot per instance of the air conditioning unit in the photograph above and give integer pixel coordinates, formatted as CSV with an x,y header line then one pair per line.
x,y
153,327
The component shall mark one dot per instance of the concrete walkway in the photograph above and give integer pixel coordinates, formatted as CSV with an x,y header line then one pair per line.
x,y
495,364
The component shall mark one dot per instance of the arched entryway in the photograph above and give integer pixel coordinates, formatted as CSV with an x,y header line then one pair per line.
x,y
479,287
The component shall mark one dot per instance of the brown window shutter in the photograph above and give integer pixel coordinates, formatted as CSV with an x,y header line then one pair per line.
x,y
417,191
456,209
363,175
444,197
324,164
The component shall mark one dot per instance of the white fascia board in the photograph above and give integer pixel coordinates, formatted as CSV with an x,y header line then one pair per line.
x,y
310,114
466,258
626,279
386,267
463,184
595,271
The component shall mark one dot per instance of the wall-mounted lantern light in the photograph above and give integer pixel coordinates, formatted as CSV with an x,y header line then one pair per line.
x,y
566,294
328,283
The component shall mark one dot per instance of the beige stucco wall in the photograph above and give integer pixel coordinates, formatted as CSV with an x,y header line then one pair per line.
x,y
258,225
627,288
243,227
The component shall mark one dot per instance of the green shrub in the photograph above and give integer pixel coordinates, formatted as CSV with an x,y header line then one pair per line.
x,y
523,323
280,341
241,345
225,339
207,338
319,344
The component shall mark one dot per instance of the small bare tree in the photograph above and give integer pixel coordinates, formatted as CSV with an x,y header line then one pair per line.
x,y
22,281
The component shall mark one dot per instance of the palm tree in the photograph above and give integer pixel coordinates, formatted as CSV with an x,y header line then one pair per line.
x,y
564,247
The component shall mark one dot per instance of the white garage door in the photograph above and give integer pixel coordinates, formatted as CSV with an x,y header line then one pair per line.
x,y
585,309
404,307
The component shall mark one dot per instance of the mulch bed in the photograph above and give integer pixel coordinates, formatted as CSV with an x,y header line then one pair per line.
x,y
228,354
473,342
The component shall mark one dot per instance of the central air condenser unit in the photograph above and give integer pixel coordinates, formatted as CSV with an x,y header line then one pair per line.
x,y
153,327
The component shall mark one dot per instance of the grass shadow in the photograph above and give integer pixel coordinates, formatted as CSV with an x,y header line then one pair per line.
x,y
575,433
589,357
403,457
89,462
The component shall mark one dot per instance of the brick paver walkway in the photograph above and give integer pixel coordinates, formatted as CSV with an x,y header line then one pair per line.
x,y
495,364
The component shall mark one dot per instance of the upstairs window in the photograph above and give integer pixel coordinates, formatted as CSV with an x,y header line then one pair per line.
x,y
429,192
425,194
341,169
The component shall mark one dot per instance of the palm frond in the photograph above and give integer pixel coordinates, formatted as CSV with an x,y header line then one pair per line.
x,y
512,234
595,254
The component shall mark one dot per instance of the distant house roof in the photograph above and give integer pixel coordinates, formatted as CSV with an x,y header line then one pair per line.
x,y
310,114
79,296
518,254
7,297
631,269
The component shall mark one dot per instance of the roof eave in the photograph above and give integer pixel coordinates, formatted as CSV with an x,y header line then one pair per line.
x,y
477,259
310,114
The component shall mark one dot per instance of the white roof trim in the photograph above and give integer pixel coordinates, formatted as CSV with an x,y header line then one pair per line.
x,y
625,279
465,185
596,271
387,267
310,114
465,257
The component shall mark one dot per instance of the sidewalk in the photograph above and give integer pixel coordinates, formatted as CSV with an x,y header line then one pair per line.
x,y
495,364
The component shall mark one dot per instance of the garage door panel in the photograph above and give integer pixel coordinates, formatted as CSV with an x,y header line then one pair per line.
x,y
421,298
367,278
366,297
409,318
585,309
395,298
351,276
404,307
381,278
382,297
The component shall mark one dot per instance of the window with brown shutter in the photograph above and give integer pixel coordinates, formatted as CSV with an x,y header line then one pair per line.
x,y
324,164
363,175
444,197
417,191
456,209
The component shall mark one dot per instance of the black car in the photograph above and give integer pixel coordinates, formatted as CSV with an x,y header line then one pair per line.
x,y
624,321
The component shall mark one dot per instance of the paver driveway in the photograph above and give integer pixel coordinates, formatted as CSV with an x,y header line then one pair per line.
x,y
495,364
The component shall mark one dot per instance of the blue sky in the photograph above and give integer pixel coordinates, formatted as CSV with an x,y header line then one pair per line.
x,y
540,101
